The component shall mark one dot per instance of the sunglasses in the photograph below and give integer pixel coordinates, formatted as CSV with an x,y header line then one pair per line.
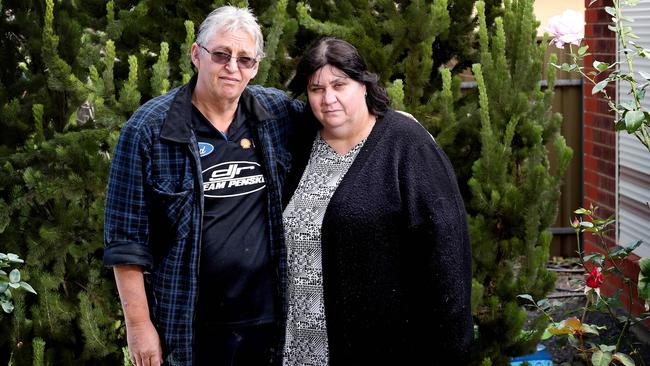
x,y
222,58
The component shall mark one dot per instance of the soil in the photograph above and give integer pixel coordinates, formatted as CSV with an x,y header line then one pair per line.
x,y
570,299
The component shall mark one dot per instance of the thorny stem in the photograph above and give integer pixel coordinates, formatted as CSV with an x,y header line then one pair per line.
x,y
582,261
643,136
582,321
628,58
629,294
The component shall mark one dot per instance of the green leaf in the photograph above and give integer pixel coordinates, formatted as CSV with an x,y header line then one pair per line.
x,y
600,86
612,28
606,348
14,276
582,50
643,284
527,297
590,328
546,335
628,106
595,258
7,307
14,258
621,252
582,211
633,120
601,66
27,287
600,358
610,10
630,248
624,359
3,287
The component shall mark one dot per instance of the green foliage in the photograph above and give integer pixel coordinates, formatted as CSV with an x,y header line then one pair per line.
x,y
405,41
159,79
395,92
39,352
511,192
126,361
185,61
76,73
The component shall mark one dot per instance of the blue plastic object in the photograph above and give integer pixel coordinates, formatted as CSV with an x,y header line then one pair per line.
x,y
539,358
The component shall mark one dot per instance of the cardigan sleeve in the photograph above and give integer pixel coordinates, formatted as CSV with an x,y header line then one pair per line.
x,y
438,225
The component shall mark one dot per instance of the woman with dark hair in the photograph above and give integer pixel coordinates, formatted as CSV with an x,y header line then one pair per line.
x,y
379,265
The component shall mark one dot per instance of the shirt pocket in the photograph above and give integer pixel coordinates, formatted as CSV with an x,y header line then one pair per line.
x,y
172,205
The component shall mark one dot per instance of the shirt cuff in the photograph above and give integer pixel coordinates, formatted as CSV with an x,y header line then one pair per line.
x,y
127,253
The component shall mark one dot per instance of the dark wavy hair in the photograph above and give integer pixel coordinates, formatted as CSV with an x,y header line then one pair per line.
x,y
345,57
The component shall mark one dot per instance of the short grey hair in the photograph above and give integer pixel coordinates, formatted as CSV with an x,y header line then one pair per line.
x,y
230,18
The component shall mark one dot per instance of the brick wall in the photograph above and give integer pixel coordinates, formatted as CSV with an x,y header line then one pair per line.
x,y
599,137
599,148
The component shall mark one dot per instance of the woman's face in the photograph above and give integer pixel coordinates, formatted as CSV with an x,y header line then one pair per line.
x,y
337,101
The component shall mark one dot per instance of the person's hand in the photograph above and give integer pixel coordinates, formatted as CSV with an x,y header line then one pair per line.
x,y
144,344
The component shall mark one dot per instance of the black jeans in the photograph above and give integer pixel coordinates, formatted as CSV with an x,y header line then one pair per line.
x,y
235,346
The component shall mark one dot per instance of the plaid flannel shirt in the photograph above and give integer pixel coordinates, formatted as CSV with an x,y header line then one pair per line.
x,y
154,205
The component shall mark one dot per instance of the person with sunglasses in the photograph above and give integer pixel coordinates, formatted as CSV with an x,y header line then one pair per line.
x,y
193,220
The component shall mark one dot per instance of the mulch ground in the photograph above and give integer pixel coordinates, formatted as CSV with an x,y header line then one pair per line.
x,y
569,297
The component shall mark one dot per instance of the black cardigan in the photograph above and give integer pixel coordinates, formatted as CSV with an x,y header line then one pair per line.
x,y
396,252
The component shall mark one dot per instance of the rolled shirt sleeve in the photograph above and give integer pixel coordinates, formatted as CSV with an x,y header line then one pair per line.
x,y
126,220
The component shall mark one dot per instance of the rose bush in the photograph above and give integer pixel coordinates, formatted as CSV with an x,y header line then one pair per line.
x,y
633,118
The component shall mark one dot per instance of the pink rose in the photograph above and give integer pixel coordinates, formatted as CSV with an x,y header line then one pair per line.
x,y
567,28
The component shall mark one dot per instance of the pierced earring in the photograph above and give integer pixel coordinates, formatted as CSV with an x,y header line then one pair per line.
x,y
365,94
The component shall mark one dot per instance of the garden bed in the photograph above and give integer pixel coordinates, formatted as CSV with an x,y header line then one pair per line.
x,y
570,298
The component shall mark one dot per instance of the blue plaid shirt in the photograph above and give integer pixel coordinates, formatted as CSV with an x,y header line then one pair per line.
x,y
154,205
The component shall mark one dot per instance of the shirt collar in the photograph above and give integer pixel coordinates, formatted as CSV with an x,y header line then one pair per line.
x,y
178,123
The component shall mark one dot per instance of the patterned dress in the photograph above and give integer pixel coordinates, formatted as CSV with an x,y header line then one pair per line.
x,y
306,333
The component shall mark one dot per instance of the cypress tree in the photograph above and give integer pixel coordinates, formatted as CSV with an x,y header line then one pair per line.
x,y
72,94
511,191
401,40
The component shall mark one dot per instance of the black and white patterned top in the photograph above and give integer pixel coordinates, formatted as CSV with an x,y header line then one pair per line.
x,y
306,333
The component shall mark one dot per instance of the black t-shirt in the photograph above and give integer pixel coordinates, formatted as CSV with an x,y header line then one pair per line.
x,y
235,283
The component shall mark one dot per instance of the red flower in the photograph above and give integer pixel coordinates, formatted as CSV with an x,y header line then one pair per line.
x,y
595,278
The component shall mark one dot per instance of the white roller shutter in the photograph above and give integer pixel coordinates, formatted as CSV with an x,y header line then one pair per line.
x,y
633,158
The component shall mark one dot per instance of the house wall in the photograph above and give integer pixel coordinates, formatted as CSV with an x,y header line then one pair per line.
x,y
599,146
600,152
